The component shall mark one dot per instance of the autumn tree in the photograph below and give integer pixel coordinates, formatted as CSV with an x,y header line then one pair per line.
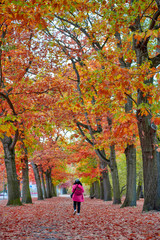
x,y
78,76
110,53
16,82
136,24
49,162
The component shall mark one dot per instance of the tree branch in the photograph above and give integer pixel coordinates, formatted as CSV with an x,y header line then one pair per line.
x,y
119,45
2,38
155,60
38,93
94,42
9,102
104,43
152,24
101,156
86,127
131,98
83,134
147,8
14,140
13,110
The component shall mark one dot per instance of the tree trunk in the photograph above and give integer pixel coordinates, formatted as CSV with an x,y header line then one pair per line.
x,y
130,153
158,168
43,184
12,180
107,192
130,199
114,170
97,189
139,193
101,188
115,178
26,195
48,183
106,186
106,182
147,133
92,191
54,194
38,181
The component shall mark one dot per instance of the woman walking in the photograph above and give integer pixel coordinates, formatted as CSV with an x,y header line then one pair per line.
x,y
77,190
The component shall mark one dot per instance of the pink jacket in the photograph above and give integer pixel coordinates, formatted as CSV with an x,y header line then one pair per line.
x,y
78,194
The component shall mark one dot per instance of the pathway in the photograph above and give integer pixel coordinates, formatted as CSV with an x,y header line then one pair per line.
x,y
53,219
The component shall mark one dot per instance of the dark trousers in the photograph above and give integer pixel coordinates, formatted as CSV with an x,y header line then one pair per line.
x,y
77,205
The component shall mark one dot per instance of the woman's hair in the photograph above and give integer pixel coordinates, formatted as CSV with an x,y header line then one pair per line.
x,y
77,181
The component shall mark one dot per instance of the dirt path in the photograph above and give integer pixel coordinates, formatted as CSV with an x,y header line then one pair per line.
x,y
53,219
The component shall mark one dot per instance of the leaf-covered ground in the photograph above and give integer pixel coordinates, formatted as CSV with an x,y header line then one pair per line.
x,y
53,219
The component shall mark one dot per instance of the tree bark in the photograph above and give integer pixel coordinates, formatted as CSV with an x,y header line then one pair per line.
x,y
54,194
12,180
105,176
107,186
48,183
92,191
146,128
130,199
43,184
107,193
115,178
26,195
147,133
114,170
96,189
139,193
101,188
158,168
38,181
130,153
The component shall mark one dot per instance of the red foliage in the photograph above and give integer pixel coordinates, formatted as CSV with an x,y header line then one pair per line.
x,y
53,218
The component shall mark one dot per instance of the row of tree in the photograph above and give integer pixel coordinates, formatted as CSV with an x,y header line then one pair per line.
x,y
90,68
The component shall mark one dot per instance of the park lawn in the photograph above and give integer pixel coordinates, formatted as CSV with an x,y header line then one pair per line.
x,y
53,219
